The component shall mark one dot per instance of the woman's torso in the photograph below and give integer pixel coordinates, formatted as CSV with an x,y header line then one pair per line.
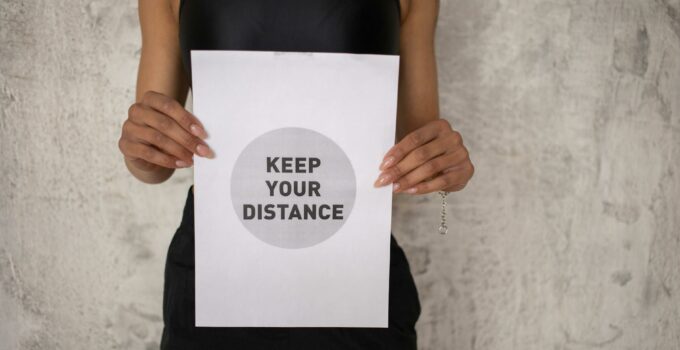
x,y
347,26
343,26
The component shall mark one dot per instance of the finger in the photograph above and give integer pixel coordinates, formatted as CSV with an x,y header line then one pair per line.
x,y
411,161
456,178
168,126
176,111
154,137
450,142
151,154
412,141
431,168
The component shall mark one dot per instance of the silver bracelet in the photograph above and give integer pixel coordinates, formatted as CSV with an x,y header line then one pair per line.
x,y
443,229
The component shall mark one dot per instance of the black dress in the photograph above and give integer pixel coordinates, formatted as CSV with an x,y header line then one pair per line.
x,y
351,26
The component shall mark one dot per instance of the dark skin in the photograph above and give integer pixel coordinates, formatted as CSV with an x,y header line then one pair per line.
x,y
160,135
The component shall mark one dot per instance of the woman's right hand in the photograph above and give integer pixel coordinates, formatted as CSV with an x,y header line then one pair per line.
x,y
160,133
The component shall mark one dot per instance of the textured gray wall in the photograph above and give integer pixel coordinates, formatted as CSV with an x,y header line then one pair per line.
x,y
567,238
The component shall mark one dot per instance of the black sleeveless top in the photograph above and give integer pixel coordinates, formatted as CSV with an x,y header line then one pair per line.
x,y
347,26
343,26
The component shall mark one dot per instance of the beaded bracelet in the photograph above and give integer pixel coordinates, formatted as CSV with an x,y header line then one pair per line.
x,y
443,229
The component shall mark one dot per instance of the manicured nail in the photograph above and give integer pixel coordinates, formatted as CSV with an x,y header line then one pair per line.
x,y
382,180
181,164
411,190
198,131
204,151
386,162
395,187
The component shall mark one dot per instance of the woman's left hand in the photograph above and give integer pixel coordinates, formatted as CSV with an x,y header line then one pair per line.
x,y
429,159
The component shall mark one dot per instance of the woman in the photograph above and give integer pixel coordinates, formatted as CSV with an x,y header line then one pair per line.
x,y
160,136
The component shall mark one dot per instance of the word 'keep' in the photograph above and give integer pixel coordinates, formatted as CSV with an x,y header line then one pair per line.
x,y
292,164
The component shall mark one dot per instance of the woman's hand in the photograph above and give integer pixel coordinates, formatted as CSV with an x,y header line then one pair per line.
x,y
159,132
431,158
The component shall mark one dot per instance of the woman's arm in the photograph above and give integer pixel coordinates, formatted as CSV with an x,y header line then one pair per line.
x,y
160,64
429,155
418,101
160,135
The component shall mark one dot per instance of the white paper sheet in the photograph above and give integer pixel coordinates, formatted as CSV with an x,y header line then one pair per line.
x,y
324,120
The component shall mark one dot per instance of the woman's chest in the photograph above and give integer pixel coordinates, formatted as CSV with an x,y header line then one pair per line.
x,y
350,26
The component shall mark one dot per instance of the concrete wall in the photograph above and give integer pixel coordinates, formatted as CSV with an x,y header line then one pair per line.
x,y
567,238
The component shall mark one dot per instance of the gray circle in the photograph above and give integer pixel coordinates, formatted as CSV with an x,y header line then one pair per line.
x,y
293,187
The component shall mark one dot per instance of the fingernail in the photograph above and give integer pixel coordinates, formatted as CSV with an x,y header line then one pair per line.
x,y
181,164
395,187
386,162
382,180
198,131
411,190
203,151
